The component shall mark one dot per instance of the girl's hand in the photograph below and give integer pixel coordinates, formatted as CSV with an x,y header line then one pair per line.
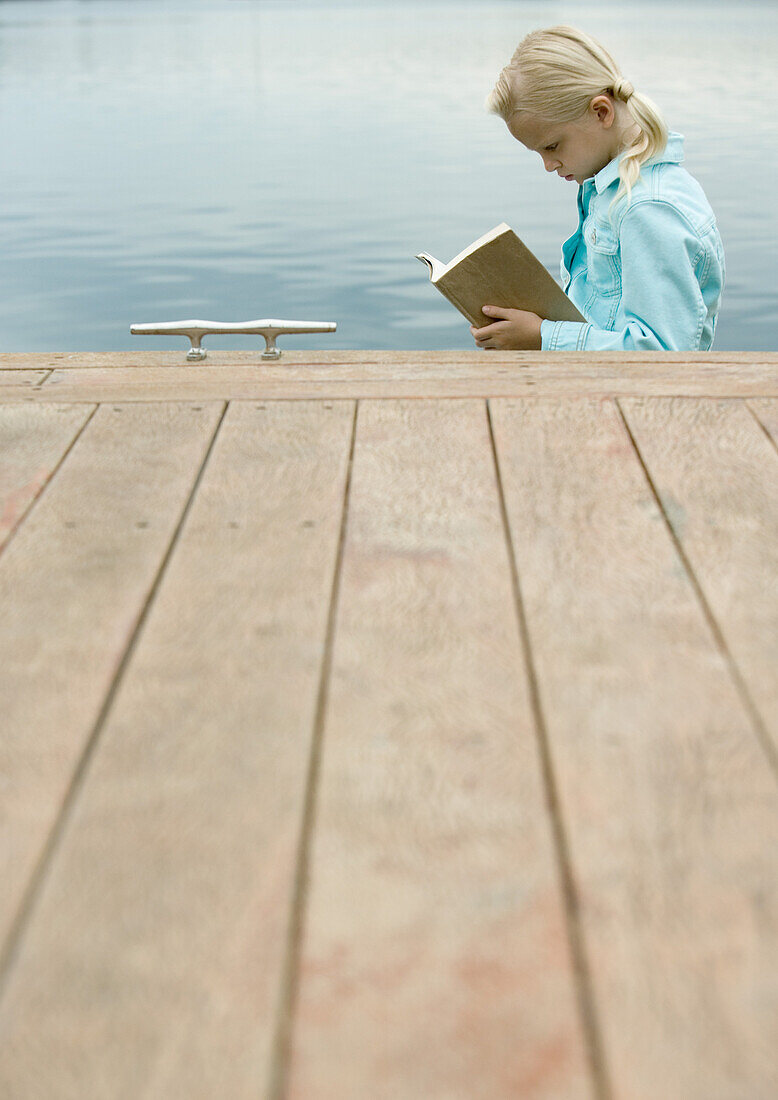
x,y
517,330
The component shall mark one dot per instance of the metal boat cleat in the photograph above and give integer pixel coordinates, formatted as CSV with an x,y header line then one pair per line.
x,y
196,330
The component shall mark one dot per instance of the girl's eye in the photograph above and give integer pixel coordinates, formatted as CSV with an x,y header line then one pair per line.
x,y
549,148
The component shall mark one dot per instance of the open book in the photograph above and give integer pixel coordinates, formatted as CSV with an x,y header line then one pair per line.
x,y
498,270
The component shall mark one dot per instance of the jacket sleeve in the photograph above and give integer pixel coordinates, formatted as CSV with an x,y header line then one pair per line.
x,y
661,296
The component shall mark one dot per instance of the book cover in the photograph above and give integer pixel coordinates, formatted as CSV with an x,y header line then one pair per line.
x,y
498,269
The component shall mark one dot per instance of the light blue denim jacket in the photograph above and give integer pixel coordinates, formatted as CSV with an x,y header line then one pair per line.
x,y
649,278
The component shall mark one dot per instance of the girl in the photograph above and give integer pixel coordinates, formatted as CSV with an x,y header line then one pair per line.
x,y
645,266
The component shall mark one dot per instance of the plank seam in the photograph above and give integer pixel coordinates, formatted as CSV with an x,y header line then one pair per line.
x,y
11,948
290,972
385,388
771,440
762,734
17,526
580,963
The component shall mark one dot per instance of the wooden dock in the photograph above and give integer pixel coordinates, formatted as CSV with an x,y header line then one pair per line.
x,y
389,726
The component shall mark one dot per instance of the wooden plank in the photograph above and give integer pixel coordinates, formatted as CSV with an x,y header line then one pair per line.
x,y
670,807
21,385
73,583
33,440
716,474
524,375
20,361
175,356
152,964
435,960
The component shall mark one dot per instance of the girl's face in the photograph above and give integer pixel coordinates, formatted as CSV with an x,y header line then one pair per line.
x,y
574,150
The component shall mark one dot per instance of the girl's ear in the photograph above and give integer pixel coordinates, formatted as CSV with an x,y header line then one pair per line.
x,y
602,105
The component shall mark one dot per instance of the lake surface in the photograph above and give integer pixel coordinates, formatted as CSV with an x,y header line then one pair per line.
x,y
239,159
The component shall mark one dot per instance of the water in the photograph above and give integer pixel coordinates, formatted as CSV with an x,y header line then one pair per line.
x,y
237,159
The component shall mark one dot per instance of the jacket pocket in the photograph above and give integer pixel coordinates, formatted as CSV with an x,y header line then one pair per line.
x,y
603,260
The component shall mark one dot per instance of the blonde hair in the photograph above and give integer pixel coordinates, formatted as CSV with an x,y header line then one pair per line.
x,y
554,74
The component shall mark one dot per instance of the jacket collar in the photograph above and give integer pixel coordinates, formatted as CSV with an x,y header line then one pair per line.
x,y
672,153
